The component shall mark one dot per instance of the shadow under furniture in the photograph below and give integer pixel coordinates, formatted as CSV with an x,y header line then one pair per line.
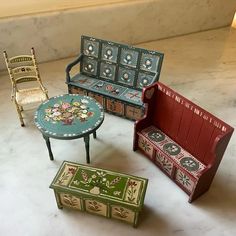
x,y
114,74
27,87
67,117
185,141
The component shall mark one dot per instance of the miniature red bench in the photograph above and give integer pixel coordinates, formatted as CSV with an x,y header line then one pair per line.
x,y
186,142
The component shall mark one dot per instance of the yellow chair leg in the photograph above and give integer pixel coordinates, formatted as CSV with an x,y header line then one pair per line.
x,y
18,108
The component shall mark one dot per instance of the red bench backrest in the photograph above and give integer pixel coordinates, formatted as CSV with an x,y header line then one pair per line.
x,y
186,123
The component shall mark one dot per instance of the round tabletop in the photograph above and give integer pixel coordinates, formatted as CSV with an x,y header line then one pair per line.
x,y
69,116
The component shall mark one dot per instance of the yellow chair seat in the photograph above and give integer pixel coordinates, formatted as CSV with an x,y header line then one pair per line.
x,y
32,95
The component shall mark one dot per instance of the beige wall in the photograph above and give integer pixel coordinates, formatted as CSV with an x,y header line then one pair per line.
x,y
57,34
11,8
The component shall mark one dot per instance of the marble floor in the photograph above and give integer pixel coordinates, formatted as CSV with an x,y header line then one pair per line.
x,y
200,66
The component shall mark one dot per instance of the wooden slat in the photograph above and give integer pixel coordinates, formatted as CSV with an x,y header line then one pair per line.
x,y
203,142
194,132
184,126
177,113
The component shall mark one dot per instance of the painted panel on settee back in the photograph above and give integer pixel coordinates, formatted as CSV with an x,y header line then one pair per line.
x,y
185,123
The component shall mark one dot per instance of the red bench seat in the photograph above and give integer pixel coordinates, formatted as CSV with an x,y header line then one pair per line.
x,y
185,141
170,157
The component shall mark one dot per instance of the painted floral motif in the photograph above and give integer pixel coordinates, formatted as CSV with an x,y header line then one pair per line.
x,y
70,200
66,176
172,148
145,145
112,89
189,163
121,212
67,112
94,206
156,136
131,191
184,179
165,163
169,149
99,182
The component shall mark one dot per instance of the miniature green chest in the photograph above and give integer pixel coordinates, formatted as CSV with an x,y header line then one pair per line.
x,y
98,191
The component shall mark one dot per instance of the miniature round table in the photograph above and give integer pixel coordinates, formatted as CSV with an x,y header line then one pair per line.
x,y
69,116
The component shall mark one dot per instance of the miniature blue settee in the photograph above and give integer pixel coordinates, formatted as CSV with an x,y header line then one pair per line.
x,y
114,74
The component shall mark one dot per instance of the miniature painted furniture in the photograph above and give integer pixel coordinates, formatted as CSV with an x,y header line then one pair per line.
x,y
69,116
98,191
114,74
26,83
186,142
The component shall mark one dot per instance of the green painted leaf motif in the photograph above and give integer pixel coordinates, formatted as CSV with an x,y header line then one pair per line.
x,y
84,176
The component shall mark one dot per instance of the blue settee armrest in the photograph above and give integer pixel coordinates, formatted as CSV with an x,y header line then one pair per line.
x,y
69,67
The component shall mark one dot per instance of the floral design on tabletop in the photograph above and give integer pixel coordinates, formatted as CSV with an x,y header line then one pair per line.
x,y
67,112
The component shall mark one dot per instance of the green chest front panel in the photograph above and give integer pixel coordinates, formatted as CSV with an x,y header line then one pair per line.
x,y
107,186
68,116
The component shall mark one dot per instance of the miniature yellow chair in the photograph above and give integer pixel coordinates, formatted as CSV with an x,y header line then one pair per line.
x,y
24,74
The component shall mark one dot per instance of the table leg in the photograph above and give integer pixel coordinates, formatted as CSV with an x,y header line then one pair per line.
x,y
86,140
49,147
94,134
